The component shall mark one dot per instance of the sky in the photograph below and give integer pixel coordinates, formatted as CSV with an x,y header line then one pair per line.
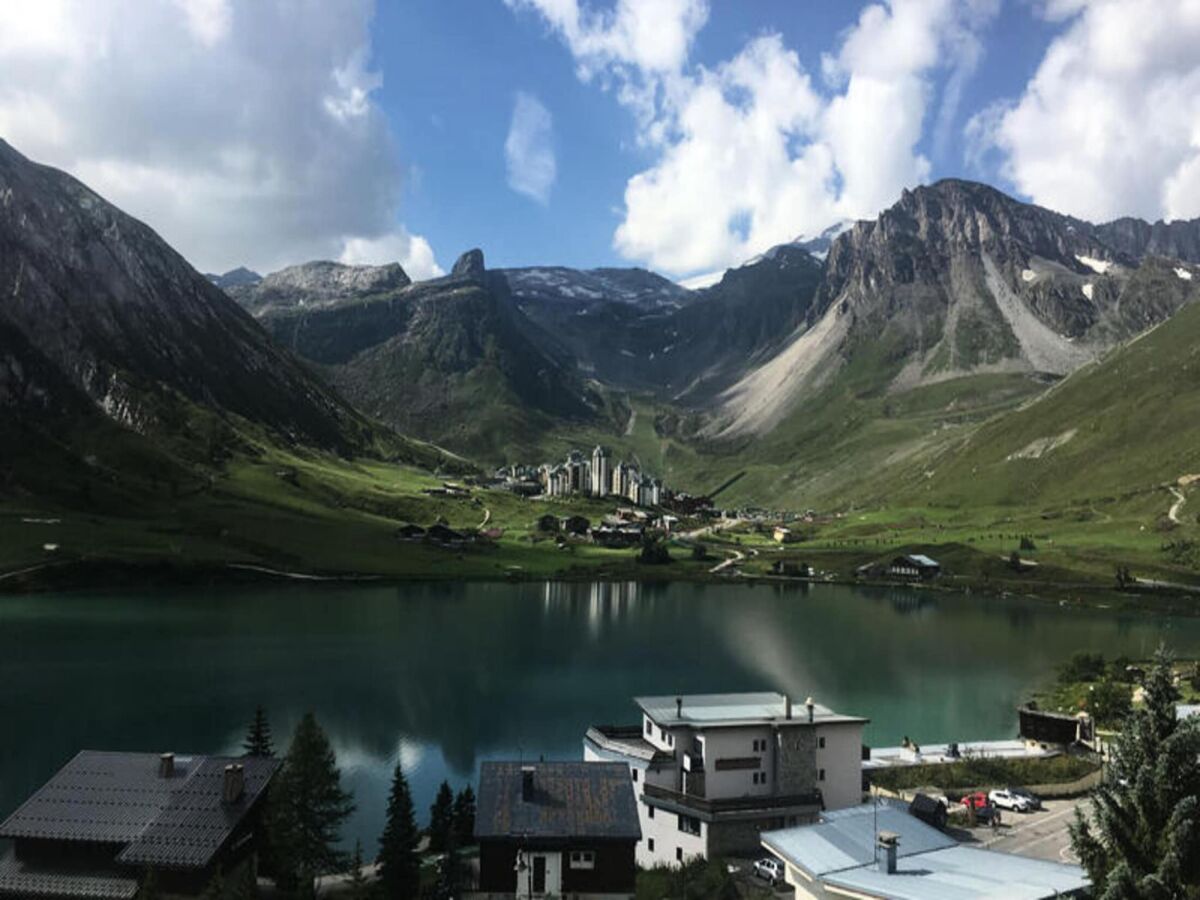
x,y
685,136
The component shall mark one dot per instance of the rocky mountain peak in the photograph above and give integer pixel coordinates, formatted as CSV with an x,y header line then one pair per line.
x,y
469,265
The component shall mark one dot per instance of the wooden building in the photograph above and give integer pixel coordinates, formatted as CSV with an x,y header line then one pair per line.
x,y
560,829
105,819
915,565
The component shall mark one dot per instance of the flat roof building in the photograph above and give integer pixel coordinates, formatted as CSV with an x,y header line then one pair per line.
x,y
713,771
884,853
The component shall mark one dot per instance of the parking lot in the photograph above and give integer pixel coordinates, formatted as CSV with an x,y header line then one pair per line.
x,y
1042,834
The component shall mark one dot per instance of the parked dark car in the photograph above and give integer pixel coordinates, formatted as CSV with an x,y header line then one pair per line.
x,y
930,811
1034,801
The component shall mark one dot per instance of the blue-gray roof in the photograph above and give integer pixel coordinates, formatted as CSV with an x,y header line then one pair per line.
x,y
839,851
570,800
708,710
922,560
120,798
846,838
964,873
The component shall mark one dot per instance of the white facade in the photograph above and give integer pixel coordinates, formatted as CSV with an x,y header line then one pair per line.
x,y
712,771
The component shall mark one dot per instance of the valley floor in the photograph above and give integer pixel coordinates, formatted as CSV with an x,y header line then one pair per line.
x,y
307,516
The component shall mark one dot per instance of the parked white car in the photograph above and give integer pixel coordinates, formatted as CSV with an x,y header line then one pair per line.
x,y
1009,800
769,869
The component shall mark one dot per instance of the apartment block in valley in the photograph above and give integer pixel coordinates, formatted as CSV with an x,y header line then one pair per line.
x,y
712,772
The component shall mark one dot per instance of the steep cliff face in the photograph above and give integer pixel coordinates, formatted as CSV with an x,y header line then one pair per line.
x,y
958,279
315,285
98,308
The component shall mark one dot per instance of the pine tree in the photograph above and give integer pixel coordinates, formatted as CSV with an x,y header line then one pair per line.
x,y
258,736
464,817
358,879
441,818
1142,839
450,877
399,862
307,807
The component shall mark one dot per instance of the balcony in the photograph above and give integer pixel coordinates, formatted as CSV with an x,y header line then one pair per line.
x,y
732,807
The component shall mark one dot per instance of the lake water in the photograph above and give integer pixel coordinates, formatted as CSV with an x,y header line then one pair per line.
x,y
442,676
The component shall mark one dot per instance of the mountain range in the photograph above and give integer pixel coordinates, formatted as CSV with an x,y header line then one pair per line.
x,y
869,349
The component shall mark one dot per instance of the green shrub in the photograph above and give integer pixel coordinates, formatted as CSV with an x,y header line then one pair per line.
x,y
976,772
1082,666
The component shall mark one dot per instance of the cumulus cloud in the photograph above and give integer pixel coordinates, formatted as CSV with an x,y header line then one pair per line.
x,y
410,250
529,149
755,151
1110,123
244,132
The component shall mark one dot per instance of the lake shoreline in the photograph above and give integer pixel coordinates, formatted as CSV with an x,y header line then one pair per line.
x,y
72,576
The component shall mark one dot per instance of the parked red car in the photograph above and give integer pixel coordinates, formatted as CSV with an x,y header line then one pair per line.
x,y
978,799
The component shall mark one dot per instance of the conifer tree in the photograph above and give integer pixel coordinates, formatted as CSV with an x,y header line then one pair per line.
x,y
307,807
464,816
441,819
399,862
358,879
1142,838
450,877
258,735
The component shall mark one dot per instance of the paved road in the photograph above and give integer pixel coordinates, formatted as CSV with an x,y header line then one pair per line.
x,y
1041,834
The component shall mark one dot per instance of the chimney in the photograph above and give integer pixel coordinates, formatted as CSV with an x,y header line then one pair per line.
x,y
527,783
235,784
888,842
166,765
787,706
811,707
679,707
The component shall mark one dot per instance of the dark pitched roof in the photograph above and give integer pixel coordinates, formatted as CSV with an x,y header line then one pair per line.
x,y
178,821
570,799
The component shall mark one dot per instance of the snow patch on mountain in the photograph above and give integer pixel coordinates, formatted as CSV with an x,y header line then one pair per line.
x,y
1099,266
1183,273
1044,348
1089,290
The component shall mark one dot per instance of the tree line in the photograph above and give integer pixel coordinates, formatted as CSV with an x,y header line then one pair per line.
x,y
305,810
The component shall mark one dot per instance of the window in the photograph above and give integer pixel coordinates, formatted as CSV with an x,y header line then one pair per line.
x,y
670,740
634,771
679,854
649,728
583,859
760,746
650,812
760,777
689,825
820,743
821,775
650,844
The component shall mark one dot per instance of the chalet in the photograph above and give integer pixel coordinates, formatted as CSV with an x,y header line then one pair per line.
x,y
790,569
561,829
410,532
443,534
914,565
618,536
548,523
785,535
575,524
104,819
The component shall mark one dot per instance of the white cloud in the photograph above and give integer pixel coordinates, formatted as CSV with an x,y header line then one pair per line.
x,y
243,132
529,149
752,152
410,250
1110,123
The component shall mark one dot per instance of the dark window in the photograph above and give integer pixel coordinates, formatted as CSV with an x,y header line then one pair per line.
x,y
583,859
649,727
689,825
650,813
650,843
635,771
679,854
821,743
821,775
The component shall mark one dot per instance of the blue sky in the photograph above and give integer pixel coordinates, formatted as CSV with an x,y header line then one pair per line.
x,y
451,71
682,135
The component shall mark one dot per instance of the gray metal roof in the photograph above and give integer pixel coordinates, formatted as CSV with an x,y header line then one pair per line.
x,y
965,873
731,710
570,800
120,798
21,879
845,838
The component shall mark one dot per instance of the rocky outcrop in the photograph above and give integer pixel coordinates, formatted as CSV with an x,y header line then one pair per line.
x,y
315,285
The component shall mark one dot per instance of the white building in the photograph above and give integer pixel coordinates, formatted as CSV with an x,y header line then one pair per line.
x,y
712,772
601,473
